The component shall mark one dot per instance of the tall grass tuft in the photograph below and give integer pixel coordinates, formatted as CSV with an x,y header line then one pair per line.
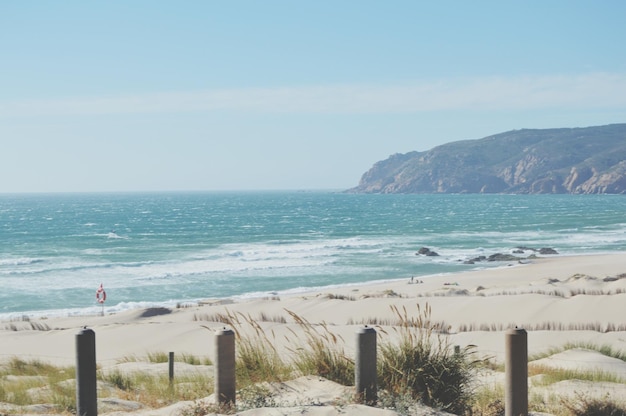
x,y
424,365
257,358
320,353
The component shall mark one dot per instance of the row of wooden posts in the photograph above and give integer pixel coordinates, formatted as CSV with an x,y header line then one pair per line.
x,y
516,368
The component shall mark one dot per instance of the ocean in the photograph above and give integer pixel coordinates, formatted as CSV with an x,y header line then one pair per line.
x,y
166,249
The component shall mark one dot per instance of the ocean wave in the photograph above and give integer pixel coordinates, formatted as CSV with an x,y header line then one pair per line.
x,y
113,235
237,244
22,261
61,266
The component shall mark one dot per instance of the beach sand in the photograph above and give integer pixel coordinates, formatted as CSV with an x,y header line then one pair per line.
x,y
558,300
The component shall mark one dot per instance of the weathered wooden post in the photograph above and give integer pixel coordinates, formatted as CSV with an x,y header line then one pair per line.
x,y
171,367
365,365
516,369
86,384
225,367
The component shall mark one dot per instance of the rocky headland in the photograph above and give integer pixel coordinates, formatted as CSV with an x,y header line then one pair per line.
x,y
589,160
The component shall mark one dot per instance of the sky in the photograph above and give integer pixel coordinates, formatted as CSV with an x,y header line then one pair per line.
x,y
202,95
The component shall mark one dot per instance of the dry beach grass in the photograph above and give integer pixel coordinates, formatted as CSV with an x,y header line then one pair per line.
x,y
296,353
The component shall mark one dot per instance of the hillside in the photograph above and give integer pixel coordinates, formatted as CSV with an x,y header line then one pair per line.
x,y
590,160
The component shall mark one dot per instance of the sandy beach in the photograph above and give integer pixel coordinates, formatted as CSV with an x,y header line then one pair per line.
x,y
558,300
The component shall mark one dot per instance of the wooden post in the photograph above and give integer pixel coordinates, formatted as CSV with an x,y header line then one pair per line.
x,y
171,367
516,369
225,368
86,384
365,365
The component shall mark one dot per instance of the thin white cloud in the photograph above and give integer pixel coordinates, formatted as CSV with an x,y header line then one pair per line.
x,y
590,91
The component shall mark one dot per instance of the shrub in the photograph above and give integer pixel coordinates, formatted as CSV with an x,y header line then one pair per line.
x,y
423,365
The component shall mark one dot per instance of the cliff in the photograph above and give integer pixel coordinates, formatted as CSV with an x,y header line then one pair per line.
x,y
589,160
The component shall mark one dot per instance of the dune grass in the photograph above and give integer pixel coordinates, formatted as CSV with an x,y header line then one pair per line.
x,y
24,383
488,401
224,318
257,358
155,390
321,353
544,326
602,349
551,375
416,363
158,357
424,364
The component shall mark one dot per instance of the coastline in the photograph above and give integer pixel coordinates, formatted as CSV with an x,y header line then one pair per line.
x,y
129,306
522,294
170,252
559,300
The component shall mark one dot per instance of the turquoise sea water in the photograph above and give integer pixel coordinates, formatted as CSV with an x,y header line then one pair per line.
x,y
161,249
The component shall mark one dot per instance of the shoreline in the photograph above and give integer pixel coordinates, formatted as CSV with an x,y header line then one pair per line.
x,y
521,294
122,307
569,306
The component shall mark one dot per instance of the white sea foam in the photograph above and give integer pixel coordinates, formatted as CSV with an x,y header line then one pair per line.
x,y
19,261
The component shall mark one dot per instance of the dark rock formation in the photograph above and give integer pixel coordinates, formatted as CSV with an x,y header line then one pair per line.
x,y
547,250
513,257
503,257
542,250
425,251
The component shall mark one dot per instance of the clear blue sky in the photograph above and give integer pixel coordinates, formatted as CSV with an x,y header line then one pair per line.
x,y
238,95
